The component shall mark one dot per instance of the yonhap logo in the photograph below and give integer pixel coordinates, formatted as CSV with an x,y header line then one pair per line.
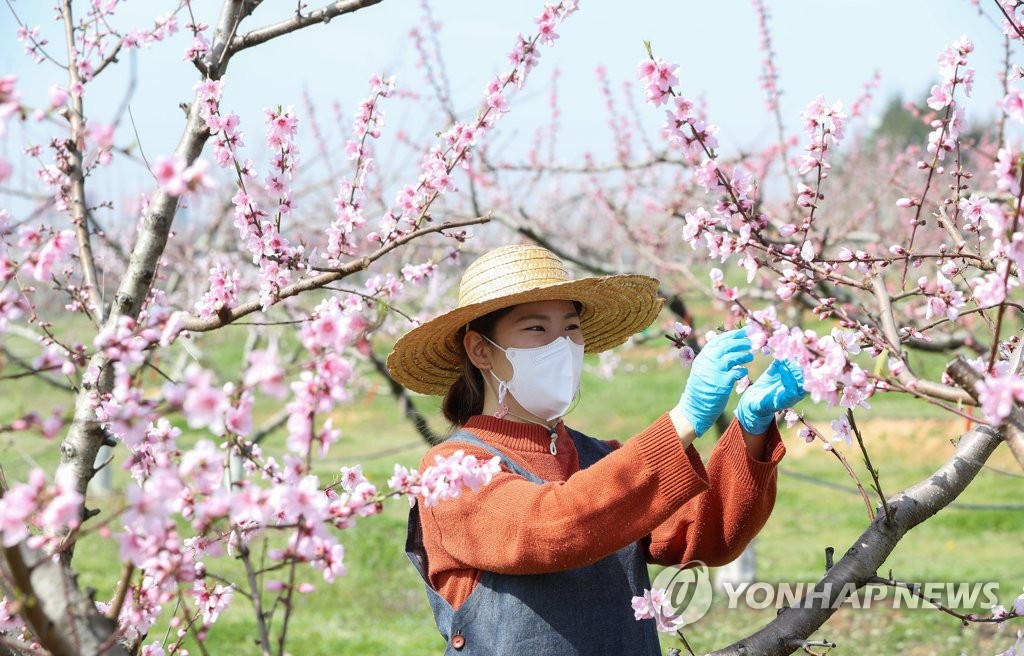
x,y
687,591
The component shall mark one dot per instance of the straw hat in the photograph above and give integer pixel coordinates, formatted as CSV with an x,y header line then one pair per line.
x,y
428,359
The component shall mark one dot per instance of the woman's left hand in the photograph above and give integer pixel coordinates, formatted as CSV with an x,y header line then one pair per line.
x,y
712,375
781,386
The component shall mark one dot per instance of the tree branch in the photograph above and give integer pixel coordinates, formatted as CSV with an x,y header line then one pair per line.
x,y
1012,428
861,561
63,619
86,435
906,377
299,21
198,325
76,173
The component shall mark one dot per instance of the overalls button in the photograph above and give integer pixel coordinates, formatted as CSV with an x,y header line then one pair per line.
x,y
458,641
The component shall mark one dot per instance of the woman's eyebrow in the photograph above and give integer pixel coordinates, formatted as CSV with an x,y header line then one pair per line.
x,y
544,317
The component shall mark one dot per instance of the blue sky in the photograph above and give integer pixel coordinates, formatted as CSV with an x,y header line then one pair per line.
x,y
824,46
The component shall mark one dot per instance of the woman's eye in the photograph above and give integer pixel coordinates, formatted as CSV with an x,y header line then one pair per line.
x,y
574,326
537,328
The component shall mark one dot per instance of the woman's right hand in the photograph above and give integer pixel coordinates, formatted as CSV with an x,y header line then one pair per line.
x,y
712,375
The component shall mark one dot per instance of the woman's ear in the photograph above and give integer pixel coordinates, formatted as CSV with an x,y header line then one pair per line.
x,y
477,349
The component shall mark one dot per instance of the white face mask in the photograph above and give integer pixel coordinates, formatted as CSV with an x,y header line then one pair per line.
x,y
544,379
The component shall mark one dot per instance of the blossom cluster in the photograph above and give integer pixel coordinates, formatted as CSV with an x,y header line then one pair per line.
x,y
412,203
258,229
343,234
49,508
824,125
445,479
830,376
655,604
999,392
1012,19
731,224
954,72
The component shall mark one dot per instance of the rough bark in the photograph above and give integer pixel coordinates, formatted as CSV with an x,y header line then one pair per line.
x,y
62,618
793,627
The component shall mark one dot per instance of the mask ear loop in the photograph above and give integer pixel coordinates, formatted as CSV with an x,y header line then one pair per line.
x,y
502,392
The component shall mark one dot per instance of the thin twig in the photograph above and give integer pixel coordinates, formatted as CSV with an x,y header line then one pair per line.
x,y
867,462
915,589
256,597
122,591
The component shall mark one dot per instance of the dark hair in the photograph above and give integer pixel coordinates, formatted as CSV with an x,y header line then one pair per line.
x,y
465,398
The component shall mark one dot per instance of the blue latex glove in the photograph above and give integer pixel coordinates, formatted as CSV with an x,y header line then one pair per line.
x,y
778,388
713,373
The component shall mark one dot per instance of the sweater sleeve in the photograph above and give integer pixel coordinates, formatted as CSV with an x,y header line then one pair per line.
x,y
717,525
514,526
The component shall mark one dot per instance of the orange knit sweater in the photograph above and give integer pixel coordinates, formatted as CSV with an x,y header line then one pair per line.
x,y
650,488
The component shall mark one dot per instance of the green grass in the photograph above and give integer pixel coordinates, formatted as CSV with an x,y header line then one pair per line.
x,y
380,606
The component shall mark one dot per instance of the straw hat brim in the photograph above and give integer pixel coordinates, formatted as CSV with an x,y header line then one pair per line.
x,y
428,359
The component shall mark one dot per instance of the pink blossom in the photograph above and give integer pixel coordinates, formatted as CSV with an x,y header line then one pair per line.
x,y
198,49
1006,171
55,251
281,125
64,509
352,477
265,373
238,418
941,96
58,96
706,175
947,300
169,173
406,481
991,289
102,134
303,498
10,620
223,293
17,505
978,209
842,431
153,649
332,562
696,224
998,393
655,604
212,602
203,405
660,78
1013,104
416,273
1014,250
450,475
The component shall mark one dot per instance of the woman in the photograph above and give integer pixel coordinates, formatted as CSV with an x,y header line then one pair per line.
x,y
547,557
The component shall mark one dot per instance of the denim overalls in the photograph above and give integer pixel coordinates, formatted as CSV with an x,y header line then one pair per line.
x,y
583,611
